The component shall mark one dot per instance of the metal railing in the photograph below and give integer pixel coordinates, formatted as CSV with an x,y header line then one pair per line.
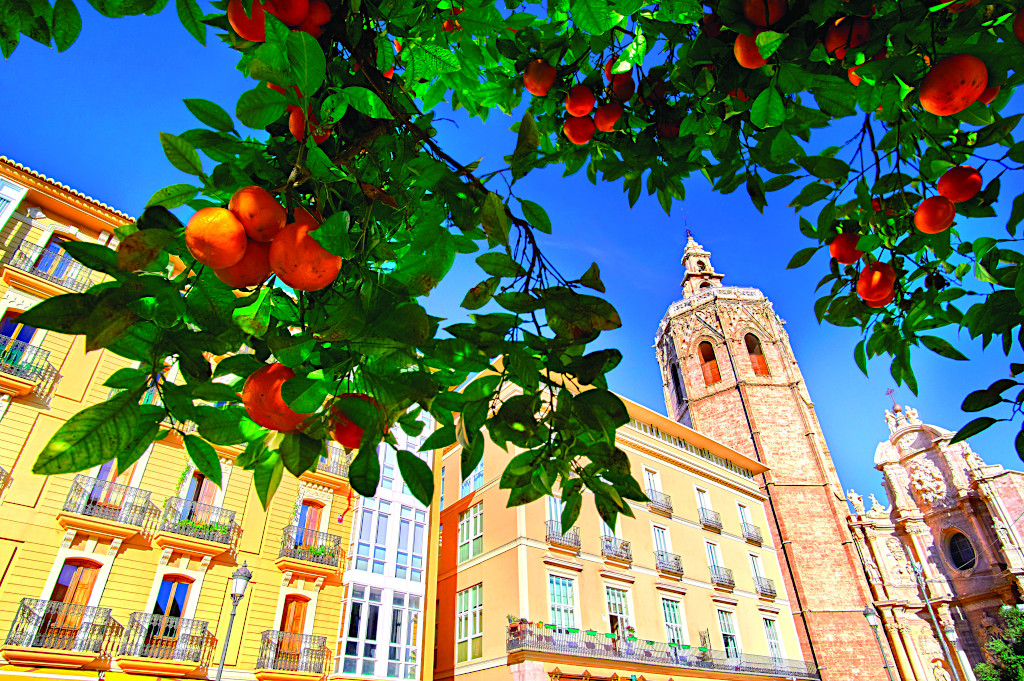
x,y
709,518
310,545
722,576
292,652
202,521
613,547
659,501
167,638
333,463
58,626
28,362
54,266
570,539
591,644
109,500
668,562
752,532
765,586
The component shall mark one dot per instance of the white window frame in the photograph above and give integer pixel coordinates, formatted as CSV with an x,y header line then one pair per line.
x,y
681,626
471,532
707,495
627,602
652,479
735,633
469,621
744,512
570,614
473,481
410,635
778,637
713,553
756,566
381,636
655,528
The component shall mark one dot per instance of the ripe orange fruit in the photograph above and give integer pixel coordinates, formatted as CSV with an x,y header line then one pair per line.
x,y
883,302
579,101
764,13
957,7
579,130
668,129
845,34
258,211
844,248
250,28
252,270
953,84
960,184
935,214
344,431
712,25
623,88
290,12
449,25
297,126
539,77
614,78
261,397
989,94
738,93
298,260
876,281
215,237
607,115
652,94
1018,25
747,54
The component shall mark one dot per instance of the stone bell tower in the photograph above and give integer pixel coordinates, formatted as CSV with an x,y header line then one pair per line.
x,y
729,370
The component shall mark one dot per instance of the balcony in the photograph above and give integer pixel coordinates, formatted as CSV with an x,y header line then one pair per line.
x,y
765,587
56,634
752,533
310,552
104,508
56,267
331,469
196,528
523,643
165,646
722,576
659,502
565,540
288,657
28,368
711,520
669,563
616,549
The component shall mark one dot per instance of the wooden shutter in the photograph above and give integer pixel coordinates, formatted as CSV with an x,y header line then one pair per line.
x,y
208,492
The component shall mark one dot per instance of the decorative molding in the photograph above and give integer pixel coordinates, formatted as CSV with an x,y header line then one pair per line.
x,y
723,598
115,545
69,537
620,576
555,561
675,589
764,607
204,565
286,578
165,557
319,584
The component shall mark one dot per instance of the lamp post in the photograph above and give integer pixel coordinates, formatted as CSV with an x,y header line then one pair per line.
x,y
239,580
871,615
919,575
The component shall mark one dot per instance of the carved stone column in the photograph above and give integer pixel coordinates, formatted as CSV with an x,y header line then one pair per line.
x,y
953,639
906,635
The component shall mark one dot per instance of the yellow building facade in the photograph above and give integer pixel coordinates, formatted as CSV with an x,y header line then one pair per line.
x,y
689,588
112,574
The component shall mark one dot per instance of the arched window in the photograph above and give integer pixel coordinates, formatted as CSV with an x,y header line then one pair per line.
x,y
75,581
677,384
706,284
756,355
961,551
709,364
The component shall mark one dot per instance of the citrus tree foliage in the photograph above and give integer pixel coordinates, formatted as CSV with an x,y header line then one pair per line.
x,y
1006,651
398,209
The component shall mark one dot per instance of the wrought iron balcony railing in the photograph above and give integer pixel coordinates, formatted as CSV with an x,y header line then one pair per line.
x,y
613,547
594,645
333,463
765,586
752,532
668,562
569,540
722,576
202,521
312,546
659,501
709,518
301,653
54,266
28,362
108,500
59,626
167,638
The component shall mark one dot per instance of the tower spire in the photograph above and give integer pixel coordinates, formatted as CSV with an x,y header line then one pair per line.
x,y
699,273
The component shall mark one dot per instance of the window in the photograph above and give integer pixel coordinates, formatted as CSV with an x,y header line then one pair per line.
x,y
471,532
361,632
201,490
563,608
609,531
756,355
387,471
308,522
771,632
555,508
442,486
293,614
618,610
660,539
13,331
469,624
677,384
652,479
373,535
173,595
961,551
703,500
730,640
474,480
405,637
756,568
714,555
675,628
708,363
409,559
744,514
75,582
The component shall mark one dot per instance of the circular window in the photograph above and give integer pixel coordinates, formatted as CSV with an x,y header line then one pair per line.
x,y
961,551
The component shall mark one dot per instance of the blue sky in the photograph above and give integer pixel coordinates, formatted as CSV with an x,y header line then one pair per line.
x,y
89,118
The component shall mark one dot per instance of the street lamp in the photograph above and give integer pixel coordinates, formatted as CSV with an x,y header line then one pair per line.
x,y
239,580
871,615
918,570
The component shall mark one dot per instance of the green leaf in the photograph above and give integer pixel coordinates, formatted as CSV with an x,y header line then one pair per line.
x,y
536,216
861,357
592,278
768,109
127,379
140,248
173,196
67,24
181,154
366,101
973,428
364,471
93,436
500,265
801,258
333,235
93,256
940,346
68,313
478,296
594,16
261,106
267,476
228,425
191,17
980,400
305,394
300,452
768,42
309,65
210,113
494,218
433,60
254,318
417,476
204,456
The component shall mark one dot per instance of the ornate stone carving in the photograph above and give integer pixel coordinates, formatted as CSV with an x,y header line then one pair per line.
x,y
857,501
912,415
115,544
874,574
877,510
69,537
900,564
939,672
1005,538
927,483
166,556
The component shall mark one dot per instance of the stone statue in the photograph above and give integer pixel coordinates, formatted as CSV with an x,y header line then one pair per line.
x,y
912,415
877,510
927,482
1005,538
874,574
857,501
940,673
901,566
890,420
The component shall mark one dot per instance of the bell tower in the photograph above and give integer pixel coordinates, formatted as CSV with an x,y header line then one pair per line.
x,y
729,370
